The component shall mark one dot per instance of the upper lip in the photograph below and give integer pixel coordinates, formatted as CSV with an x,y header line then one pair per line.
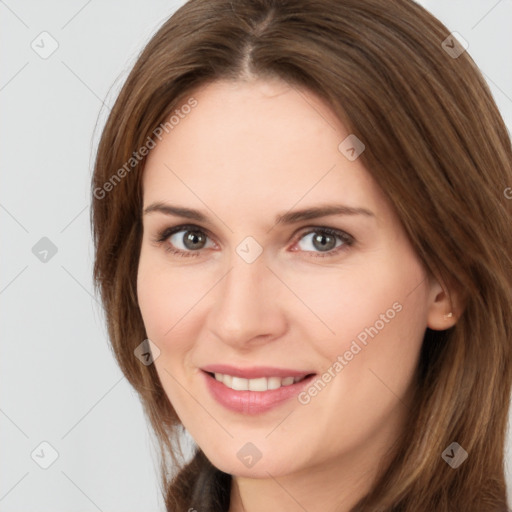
x,y
254,372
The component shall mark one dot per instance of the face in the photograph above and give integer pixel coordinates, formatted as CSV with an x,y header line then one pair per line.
x,y
335,301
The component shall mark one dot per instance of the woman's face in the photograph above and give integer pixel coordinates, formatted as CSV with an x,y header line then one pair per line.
x,y
339,294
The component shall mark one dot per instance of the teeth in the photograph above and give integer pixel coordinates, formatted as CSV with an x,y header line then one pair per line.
x,y
287,381
273,382
260,384
240,384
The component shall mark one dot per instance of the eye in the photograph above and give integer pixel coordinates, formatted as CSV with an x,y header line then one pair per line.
x,y
183,240
325,240
189,240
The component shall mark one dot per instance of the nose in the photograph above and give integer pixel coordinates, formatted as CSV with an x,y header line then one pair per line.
x,y
247,306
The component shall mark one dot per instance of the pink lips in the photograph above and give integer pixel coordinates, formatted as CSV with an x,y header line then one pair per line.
x,y
253,402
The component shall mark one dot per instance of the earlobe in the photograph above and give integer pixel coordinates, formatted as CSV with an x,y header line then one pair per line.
x,y
442,308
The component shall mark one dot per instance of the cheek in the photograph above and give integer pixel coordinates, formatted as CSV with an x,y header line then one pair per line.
x,y
379,323
377,317
166,304
151,293
165,297
386,332
361,300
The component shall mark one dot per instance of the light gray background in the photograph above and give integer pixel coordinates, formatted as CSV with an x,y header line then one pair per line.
x,y
59,381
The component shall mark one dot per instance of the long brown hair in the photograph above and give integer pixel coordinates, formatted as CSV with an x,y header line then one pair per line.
x,y
439,149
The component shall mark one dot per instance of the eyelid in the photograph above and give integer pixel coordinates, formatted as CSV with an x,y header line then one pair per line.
x,y
165,233
326,229
347,238
162,236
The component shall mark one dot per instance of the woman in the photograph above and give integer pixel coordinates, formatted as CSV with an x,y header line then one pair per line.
x,y
303,234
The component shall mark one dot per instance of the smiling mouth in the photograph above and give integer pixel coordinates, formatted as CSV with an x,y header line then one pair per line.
x,y
258,384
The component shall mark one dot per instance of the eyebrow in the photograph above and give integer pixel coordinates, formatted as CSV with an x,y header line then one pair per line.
x,y
284,218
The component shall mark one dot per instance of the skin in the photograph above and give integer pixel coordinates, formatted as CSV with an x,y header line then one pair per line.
x,y
248,151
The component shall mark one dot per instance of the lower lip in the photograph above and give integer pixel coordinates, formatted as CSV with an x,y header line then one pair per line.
x,y
253,402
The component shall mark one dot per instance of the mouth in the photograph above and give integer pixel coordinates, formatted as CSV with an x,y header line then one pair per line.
x,y
258,384
256,390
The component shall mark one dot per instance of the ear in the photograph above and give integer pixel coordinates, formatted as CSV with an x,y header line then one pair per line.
x,y
444,306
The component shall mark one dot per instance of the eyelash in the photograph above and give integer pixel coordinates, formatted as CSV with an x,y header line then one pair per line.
x,y
163,235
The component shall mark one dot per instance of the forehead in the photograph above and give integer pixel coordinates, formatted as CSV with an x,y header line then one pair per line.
x,y
256,144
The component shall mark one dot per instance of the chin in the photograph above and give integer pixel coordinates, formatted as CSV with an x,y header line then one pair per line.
x,y
241,464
